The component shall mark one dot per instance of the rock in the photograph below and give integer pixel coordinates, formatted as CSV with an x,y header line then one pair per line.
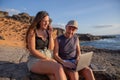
x,y
1,38
4,14
59,31
105,59
13,71
4,78
103,76
13,64
34,76
89,37
23,17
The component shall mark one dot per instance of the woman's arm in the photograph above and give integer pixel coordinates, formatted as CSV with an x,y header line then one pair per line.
x,y
55,52
51,40
51,43
31,46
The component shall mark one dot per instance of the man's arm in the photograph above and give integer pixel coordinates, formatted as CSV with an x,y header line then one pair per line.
x,y
78,51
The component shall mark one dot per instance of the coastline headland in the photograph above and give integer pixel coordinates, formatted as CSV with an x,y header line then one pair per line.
x,y
14,54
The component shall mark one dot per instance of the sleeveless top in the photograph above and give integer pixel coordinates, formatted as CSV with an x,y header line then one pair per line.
x,y
67,47
41,44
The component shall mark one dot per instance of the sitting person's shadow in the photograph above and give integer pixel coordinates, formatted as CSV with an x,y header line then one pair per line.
x,y
9,70
14,71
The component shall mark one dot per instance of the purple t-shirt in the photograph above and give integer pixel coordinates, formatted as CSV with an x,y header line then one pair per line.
x,y
67,47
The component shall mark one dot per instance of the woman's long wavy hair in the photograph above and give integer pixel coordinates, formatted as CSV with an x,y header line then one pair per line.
x,y
35,24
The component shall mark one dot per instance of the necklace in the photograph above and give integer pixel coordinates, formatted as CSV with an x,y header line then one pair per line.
x,y
42,34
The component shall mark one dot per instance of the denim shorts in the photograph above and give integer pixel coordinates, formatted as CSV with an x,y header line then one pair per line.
x,y
73,61
32,59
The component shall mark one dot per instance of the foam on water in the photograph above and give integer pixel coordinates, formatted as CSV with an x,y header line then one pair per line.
x,y
112,43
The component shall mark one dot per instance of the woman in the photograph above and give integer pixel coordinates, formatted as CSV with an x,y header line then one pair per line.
x,y
39,43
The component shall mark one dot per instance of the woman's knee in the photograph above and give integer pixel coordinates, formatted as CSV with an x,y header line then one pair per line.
x,y
51,77
57,67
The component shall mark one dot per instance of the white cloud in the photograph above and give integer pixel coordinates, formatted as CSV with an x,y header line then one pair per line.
x,y
103,26
24,9
107,30
116,25
59,25
107,26
12,11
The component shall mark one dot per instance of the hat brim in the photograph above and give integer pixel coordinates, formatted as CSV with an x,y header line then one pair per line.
x,y
72,26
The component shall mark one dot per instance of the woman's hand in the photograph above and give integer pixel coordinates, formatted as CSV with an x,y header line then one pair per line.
x,y
49,59
50,30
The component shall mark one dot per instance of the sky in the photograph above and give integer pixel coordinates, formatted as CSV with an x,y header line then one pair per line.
x,y
96,17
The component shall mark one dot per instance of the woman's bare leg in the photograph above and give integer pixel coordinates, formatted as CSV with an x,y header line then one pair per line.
x,y
49,67
87,74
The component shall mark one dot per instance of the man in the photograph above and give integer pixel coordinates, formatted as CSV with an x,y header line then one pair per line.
x,y
67,52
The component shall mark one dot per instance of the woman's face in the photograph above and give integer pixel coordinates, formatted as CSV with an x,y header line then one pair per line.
x,y
44,22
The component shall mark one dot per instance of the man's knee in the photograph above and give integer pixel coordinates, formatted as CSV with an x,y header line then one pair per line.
x,y
86,70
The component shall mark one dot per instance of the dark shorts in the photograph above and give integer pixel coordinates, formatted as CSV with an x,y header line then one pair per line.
x,y
73,61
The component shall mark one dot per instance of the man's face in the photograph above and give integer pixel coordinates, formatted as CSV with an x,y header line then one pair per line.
x,y
70,31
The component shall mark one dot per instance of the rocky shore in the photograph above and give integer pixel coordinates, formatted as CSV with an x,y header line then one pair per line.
x,y
13,64
13,54
107,60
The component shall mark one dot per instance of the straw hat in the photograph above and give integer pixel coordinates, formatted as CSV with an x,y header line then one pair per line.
x,y
73,23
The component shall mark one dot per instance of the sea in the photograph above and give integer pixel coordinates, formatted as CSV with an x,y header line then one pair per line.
x,y
109,43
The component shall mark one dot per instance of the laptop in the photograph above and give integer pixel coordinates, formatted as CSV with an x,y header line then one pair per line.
x,y
84,61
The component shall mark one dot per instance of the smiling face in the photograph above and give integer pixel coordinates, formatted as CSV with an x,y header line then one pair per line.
x,y
44,23
70,31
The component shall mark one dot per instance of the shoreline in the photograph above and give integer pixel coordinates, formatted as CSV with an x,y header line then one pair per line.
x,y
105,59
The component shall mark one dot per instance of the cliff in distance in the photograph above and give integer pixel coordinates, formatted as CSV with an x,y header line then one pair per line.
x,y
13,28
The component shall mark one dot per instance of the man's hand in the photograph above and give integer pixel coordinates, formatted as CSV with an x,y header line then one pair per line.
x,y
69,64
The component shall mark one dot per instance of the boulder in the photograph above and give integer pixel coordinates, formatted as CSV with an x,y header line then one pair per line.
x,y
23,17
4,14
